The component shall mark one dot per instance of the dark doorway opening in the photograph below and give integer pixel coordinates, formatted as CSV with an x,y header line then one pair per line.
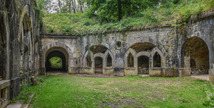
x,y
143,65
195,55
50,67
98,65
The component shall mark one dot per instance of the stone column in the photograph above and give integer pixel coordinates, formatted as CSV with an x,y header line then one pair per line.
x,y
211,73
186,71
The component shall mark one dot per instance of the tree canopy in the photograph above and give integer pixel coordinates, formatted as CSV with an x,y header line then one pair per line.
x,y
87,16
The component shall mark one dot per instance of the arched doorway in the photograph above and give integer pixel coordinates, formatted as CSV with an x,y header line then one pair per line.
x,y
98,65
56,60
143,65
99,60
195,55
142,56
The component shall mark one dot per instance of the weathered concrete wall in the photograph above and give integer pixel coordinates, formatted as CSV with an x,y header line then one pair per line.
x,y
166,41
19,30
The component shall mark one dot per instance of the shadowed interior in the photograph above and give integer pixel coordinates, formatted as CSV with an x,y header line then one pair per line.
x,y
143,65
195,54
98,65
56,54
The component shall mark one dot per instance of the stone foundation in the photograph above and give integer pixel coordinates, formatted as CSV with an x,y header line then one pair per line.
x,y
130,71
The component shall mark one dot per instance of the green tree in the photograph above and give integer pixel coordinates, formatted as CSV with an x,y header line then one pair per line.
x,y
114,10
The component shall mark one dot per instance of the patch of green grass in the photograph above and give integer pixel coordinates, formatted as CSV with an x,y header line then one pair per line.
x,y
81,24
132,91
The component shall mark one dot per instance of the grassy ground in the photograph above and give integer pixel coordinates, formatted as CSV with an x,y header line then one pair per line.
x,y
66,91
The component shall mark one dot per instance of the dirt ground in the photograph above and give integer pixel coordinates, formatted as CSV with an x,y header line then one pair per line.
x,y
200,77
83,75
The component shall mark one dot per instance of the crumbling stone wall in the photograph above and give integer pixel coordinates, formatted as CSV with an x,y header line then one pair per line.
x,y
19,37
171,44
198,28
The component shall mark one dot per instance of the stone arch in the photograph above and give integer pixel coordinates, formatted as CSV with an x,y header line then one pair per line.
x,y
156,50
102,44
57,52
63,48
106,55
143,53
26,40
133,53
25,16
156,44
195,49
208,42
98,49
85,62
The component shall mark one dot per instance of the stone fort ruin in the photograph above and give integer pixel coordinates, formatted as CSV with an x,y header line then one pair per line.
x,y
164,51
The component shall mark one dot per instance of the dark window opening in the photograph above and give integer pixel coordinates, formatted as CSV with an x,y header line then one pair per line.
x,y
156,60
130,60
4,93
192,63
118,43
88,61
109,61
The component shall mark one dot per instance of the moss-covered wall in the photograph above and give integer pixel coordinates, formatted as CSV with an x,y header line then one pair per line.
x,y
19,22
167,41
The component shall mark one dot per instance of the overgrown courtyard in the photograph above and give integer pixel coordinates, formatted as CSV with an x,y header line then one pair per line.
x,y
66,91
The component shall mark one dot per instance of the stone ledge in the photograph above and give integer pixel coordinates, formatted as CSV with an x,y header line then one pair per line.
x,y
4,84
130,68
108,68
4,103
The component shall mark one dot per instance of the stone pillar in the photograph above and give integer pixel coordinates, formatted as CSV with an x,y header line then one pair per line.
x,y
186,71
211,73
187,62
